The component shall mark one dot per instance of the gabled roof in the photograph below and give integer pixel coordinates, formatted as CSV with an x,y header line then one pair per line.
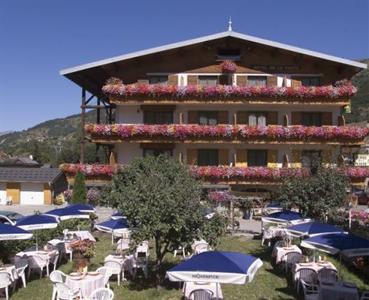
x,y
19,162
209,38
34,175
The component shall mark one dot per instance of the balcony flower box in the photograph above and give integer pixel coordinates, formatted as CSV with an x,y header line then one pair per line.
x,y
224,92
192,132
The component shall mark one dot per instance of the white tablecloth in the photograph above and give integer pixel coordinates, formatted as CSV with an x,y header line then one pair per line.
x,y
314,266
123,245
188,287
86,285
273,232
83,235
45,254
280,252
338,291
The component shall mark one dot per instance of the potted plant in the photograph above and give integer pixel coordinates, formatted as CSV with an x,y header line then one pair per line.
x,y
83,250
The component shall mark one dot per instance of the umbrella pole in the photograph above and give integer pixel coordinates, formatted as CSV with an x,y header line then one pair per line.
x,y
36,240
216,292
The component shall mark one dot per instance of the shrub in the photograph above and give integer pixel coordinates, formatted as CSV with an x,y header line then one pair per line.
x,y
79,189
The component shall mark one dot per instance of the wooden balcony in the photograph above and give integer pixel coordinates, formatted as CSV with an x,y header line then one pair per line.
x,y
119,93
235,134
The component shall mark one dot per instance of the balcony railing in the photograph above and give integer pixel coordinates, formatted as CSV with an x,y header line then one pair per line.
x,y
189,133
217,174
122,93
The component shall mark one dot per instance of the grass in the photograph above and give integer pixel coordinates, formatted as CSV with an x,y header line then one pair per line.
x,y
267,284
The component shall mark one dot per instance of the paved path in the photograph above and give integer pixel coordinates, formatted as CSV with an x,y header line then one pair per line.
x,y
103,213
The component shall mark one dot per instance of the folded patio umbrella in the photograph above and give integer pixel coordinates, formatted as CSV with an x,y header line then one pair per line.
x,y
37,222
218,267
10,232
312,229
66,213
346,244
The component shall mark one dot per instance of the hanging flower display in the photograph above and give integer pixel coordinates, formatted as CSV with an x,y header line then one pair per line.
x,y
217,173
221,92
228,66
182,132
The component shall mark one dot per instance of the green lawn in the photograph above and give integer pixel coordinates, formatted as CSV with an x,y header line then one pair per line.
x,y
268,283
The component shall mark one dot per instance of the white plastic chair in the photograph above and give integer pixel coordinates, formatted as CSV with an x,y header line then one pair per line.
x,y
311,291
37,262
201,247
106,272
102,294
54,260
64,292
21,266
140,262
56,277
201,294
5,282
115,268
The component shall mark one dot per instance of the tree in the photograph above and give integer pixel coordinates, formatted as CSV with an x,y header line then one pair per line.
x,y
79,189
317,195
161,202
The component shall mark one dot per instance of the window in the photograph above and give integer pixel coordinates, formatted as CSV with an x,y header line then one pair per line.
x,y
256,81
257,119
257,158
311,159
158,117
207,157
161,79
208,117
311,119
157,152
309,81
208,80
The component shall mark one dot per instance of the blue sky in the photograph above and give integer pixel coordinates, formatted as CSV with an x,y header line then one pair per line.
x,y
40,37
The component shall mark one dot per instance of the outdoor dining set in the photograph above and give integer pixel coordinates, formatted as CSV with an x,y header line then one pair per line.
x,y
314,277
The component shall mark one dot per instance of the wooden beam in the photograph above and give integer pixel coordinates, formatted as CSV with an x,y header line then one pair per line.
x,y
83,133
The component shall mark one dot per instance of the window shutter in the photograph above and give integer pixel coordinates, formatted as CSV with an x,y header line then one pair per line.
x,y
142,81
241,80
192,80
192,117
272,158
242,117
222,117
341,121
241,158
223,157
327,157
272,81
326,118
296,118
296,159
192,156
173,80
272,118
295,83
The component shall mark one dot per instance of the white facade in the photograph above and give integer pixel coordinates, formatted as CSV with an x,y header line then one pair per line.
x,y
2,193
32,193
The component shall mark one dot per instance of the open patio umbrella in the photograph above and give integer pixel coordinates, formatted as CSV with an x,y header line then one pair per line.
x,y
285,217
117,215
10,232
312,229
346,244
37,222
84,208
217,267
115,227
66,213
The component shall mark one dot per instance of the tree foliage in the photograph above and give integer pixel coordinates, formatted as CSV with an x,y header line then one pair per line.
x,y
79,189
161,202
317,195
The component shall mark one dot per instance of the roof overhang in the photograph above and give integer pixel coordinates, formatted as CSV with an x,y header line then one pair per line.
x,y
76,73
